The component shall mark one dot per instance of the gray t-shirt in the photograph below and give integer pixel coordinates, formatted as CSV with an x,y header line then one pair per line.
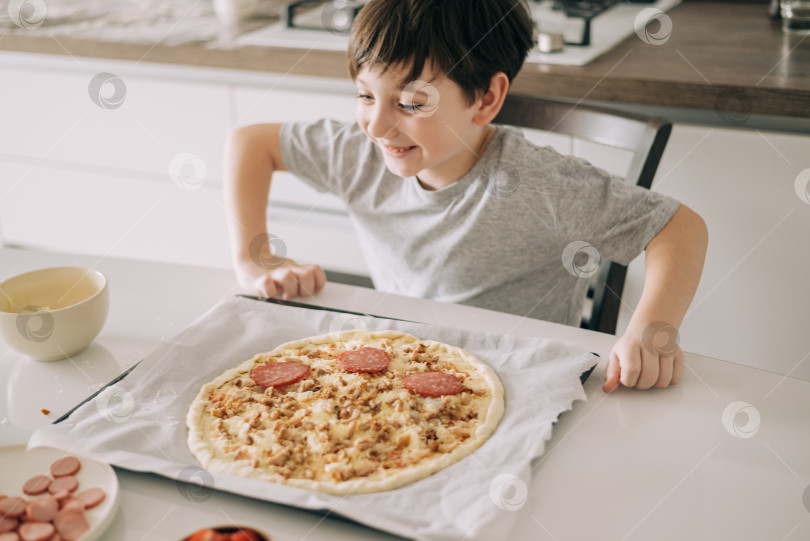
x,y
519,233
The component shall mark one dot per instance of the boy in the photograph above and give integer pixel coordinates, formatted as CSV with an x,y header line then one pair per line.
x,y
425,177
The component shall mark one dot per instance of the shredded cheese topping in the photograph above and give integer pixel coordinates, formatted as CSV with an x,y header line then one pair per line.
x,y
335,426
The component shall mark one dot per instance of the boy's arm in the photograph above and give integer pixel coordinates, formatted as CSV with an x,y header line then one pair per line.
x,y
647,354
252,154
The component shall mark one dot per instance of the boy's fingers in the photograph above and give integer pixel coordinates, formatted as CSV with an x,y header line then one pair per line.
x,y
612,372
631,367
265,286
665,371
288,284
642,369
650,369
320,278
306,283
677,367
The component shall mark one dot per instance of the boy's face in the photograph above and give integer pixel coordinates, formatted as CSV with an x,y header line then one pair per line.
x,y
423,128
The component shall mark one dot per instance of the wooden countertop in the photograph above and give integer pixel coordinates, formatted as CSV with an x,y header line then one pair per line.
x,y
722,56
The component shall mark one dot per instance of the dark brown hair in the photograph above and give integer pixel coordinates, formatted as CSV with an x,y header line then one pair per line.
x,y
469,41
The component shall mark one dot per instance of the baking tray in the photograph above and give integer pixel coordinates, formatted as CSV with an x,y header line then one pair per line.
x,y
540,378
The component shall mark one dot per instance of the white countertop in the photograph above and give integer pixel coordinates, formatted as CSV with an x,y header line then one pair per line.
x,y
662,464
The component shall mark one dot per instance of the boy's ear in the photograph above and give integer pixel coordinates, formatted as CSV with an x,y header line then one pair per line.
x,y
489,104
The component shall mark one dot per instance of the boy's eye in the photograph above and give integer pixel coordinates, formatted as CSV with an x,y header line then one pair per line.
x,y
364,97
410,108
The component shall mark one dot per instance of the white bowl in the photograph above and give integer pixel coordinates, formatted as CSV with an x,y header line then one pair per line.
x,y
53,313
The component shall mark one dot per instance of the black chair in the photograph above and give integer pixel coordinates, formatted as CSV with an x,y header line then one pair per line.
x,y
645,137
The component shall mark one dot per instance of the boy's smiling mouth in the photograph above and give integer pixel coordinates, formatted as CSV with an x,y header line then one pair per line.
x,y
396,151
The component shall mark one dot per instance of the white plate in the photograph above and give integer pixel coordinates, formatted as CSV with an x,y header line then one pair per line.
x,y
20,465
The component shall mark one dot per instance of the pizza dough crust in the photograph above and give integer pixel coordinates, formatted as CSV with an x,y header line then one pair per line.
x,y
231,430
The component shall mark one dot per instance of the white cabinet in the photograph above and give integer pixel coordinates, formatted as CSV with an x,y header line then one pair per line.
x,y
140,126
83,175
84,212
752,303
132,167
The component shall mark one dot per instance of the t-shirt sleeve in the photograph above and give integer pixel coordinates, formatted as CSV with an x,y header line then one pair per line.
x,y
325,154
618,218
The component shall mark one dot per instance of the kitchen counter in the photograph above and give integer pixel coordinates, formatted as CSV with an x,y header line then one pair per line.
x,y
729,58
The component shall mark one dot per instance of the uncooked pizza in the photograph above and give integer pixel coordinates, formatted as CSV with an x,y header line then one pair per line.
x,y
350,412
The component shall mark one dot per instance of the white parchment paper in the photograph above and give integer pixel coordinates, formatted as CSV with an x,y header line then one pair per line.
x,y
139,423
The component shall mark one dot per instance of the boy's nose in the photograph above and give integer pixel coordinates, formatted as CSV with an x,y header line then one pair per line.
x,y
381,124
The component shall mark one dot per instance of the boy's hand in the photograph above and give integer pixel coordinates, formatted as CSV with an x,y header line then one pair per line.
x,y
644,359
286,279
648,355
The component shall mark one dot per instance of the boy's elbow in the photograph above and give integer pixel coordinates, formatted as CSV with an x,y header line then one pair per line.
x,y
235,142
254,143
698,231
241,137
686,230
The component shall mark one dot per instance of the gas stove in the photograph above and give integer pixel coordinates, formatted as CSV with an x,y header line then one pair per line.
x,y
336,16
